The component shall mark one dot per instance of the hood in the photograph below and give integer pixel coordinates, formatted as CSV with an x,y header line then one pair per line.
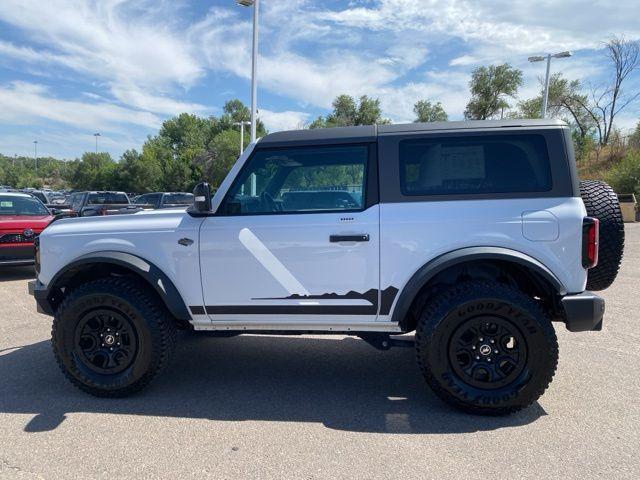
x,y
156,220
20,222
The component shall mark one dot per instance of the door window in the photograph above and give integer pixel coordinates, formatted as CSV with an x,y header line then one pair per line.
x,y
300,180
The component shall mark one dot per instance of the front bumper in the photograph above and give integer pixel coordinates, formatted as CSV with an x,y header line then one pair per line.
x,y
583,312
17,255
40,293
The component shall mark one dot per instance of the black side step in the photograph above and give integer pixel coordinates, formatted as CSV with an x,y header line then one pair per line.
x,y
384,341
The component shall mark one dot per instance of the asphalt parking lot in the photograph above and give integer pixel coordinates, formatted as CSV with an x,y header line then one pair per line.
x,y
316,407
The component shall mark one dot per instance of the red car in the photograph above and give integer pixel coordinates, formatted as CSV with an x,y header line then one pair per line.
x,y
22,218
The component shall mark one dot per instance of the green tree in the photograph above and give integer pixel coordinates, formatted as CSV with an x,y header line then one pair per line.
x,y
139,173
625,176
348,112
94,171
611,98
634,138
222,153
565,101
490,87
429,112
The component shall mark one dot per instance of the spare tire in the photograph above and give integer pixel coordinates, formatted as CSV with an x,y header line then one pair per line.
x,y
602,203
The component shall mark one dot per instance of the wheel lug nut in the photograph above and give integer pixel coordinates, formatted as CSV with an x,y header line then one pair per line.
x,y
473,347
493,341
496,351
477,358
481,339
488,359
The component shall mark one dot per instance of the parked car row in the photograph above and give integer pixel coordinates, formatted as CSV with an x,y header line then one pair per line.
x,y
25,214
22,218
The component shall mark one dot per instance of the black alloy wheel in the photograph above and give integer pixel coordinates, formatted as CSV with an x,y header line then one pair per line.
x,y
106,341
488,352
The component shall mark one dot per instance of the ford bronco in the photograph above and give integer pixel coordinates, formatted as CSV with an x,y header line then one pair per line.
x,y
474,235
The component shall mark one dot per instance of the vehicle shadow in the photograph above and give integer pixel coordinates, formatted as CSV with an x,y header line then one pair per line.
x,y
342,383
10,274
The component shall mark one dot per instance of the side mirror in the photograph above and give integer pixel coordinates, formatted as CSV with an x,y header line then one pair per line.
x,y
202,197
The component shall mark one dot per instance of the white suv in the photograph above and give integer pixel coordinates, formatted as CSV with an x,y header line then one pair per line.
x,y
472,234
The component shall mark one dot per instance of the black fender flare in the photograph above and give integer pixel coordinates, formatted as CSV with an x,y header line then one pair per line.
x,y
463,255
153,275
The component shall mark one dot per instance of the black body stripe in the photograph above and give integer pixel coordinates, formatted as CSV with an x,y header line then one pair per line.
x,y
388,295
292,309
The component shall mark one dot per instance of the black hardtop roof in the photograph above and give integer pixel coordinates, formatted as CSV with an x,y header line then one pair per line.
x,y
369,133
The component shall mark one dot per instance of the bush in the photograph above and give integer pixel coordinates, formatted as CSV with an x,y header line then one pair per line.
x,y
625,176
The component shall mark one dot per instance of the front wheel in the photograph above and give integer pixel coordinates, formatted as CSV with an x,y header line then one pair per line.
x,y
111,338
486,348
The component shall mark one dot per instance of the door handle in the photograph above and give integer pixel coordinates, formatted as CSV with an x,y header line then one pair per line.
x,y
349,238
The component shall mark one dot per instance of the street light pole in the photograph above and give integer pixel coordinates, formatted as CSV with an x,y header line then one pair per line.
x,y
254,63
545,98
241,124
254,72
547,57
35,155
97,134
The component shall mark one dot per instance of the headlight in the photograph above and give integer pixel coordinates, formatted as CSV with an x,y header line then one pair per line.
x,y
36,246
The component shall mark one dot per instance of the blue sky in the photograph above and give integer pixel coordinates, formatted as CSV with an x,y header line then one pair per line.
x,y
71,68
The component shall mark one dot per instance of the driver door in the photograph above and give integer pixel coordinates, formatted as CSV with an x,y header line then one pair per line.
x,y
296,240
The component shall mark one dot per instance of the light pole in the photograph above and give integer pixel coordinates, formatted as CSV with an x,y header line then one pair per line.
x,y
254,63
35,155
547,57
241,124
97,134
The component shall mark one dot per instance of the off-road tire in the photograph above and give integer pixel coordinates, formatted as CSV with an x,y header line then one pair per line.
x,y
153,328
602,203
442,317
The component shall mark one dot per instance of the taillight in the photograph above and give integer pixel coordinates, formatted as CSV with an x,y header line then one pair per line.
x,y
590,239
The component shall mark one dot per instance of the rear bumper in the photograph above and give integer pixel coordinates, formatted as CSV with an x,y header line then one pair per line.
x,y
40,293
583,312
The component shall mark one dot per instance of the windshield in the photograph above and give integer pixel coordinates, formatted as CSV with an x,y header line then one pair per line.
x,y
104,198
10,205
40,196
178,199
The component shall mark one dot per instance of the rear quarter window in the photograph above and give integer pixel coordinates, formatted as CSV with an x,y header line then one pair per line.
x,y
474,165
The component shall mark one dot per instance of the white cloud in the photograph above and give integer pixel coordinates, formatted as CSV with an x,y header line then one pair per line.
x,y
510,25
287,120
138,61
131,95
26,103
136,55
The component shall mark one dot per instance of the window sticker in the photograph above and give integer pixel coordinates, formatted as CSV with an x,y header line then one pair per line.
x,y
462,162
6,204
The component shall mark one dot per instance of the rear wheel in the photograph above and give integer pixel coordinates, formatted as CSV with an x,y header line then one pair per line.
x,y
110,337
486,348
